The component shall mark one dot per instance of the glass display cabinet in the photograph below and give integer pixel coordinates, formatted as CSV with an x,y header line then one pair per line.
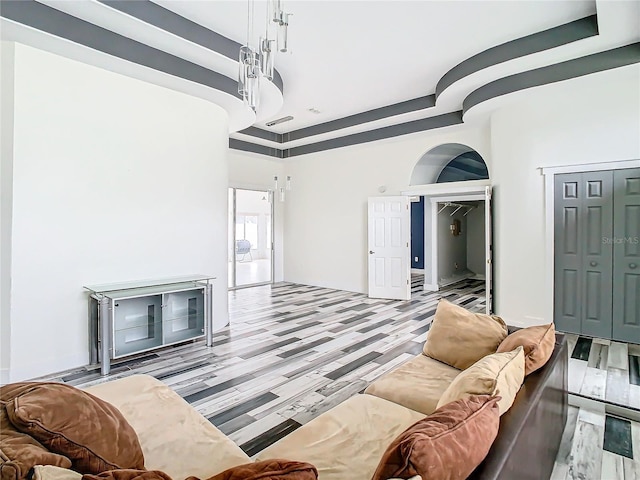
x,y
135,317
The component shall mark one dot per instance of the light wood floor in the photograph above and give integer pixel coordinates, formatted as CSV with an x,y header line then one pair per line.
x,y
293,351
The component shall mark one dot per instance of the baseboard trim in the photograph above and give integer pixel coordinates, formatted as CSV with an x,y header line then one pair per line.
x,y
428,287
48,367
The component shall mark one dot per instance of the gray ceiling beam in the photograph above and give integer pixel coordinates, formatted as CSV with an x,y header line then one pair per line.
x,y
520,47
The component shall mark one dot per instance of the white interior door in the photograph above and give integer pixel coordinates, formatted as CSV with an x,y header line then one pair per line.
x,y
489,249
389,247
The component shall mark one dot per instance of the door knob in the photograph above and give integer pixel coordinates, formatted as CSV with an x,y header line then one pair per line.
x,y
593,264
371,252
632,265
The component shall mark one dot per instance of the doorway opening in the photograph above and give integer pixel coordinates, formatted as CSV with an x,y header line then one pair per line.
x,y
451,228
250,250
460,245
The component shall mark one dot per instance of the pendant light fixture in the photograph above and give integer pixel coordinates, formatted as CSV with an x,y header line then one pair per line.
x,y
260,62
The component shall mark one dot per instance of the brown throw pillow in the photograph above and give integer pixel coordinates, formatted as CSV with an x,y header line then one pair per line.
x,y
92,433
265,470
460,338
446,445
538,343
275,469
19,453
496,374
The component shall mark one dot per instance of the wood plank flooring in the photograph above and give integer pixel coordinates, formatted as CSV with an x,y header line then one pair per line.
x,y
605,370
598,446
291,352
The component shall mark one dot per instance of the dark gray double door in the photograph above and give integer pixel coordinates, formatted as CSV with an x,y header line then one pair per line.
x,y
597,254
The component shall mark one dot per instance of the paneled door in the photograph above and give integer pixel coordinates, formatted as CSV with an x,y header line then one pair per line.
x,y
389,247
583,274
626,255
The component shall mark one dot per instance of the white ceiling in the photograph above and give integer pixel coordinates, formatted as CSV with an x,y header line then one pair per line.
x,y
351,56
346,57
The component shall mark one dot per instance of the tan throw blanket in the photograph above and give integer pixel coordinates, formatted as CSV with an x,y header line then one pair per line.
x,y
265,470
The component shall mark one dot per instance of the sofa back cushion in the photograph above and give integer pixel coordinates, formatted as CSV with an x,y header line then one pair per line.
x,y
460,338
191,446
446,445
92,433
538,343
497,374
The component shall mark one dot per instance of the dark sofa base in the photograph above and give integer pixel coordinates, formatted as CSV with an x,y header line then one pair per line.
x,y
530,432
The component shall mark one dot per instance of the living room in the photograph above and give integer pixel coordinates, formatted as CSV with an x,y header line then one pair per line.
x,y
113,172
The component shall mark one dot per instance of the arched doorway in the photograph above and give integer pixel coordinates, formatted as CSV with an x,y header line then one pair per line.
x,y
451,222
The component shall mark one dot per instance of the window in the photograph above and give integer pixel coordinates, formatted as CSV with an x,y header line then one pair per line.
x,y
247,229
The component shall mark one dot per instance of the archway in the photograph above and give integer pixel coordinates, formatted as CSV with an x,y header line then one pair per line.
x,y
449,162
451,222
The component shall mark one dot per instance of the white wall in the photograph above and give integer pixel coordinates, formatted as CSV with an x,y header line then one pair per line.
x,y
114,179
476,255
6,202
452,250
326,212
587,120
252,171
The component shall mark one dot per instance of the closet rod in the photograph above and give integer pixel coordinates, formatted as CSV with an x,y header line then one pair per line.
x,y
459,205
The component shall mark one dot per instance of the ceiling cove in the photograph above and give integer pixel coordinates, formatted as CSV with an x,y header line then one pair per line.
x,y
466,85
53,21
520,47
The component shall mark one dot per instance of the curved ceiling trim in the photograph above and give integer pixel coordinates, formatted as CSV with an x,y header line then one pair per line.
x,y
171,22
547,39
597,62
609,59
54,22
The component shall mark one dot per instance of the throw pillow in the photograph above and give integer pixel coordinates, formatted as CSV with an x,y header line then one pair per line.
x,y
19,453
497,374
264,470
538,343
446,445
460,338
92,433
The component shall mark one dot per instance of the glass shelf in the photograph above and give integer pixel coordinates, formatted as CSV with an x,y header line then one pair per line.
x,y
141,287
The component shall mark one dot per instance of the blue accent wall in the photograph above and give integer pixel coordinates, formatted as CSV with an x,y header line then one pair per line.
x,y
468,166
417,233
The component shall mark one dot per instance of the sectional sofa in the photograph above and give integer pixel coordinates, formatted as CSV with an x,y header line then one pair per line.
x,y
348,441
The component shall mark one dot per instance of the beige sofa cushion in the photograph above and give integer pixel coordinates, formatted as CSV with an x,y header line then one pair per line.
x,y
174,437
50,472
498,374
348,441
417,384
460,338
538,343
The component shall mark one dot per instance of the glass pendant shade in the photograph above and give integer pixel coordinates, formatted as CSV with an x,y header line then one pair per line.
x,y
249,76
283,32
276,10
267,56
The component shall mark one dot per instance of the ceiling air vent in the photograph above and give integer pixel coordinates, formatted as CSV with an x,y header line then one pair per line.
x,y
279,121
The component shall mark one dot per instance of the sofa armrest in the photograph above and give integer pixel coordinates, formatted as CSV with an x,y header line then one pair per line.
x,y
530,432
